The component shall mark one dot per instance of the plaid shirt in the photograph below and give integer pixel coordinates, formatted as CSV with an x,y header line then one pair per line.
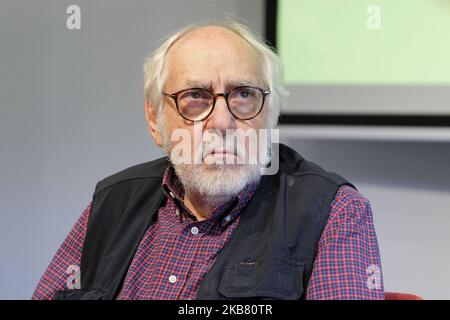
x,y
177,251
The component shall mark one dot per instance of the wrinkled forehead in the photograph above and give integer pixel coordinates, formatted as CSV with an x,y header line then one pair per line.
x,y
213,54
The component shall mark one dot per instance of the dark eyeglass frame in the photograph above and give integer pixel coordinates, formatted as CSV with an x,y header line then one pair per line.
x,y
225,95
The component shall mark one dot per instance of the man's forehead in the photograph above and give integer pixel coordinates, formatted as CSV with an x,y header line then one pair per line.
x,y
210,39
213,54
210,33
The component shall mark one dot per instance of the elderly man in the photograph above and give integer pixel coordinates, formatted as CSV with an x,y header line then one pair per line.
x,y
205,222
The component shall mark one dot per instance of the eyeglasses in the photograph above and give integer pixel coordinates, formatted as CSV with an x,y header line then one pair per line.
x,y
197,104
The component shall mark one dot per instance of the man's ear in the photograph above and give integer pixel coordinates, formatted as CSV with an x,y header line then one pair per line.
x,y
150,116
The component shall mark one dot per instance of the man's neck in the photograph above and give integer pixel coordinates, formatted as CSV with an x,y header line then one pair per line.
x,y
202,206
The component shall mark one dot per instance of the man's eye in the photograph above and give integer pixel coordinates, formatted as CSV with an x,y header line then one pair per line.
x,y
195,94
245,93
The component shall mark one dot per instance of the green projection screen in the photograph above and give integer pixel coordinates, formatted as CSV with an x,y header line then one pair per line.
x,y
383,62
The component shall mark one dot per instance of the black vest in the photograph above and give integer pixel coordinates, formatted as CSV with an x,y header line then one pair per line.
x,y
270,253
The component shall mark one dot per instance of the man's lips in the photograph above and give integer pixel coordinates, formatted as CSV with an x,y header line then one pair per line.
x,y
221,152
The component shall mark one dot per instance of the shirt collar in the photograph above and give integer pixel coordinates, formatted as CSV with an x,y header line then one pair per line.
x,y
224,213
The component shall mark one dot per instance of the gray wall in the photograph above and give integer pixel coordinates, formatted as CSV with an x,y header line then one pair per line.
x,y
72,113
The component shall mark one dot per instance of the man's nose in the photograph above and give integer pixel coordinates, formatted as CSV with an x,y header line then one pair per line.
x,y
221,117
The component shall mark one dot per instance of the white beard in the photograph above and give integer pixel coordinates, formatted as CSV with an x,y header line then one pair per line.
x,y
216,183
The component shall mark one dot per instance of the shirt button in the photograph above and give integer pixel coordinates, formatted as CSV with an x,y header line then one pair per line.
x,y
227,219
194,230
172,279
171,194
177,212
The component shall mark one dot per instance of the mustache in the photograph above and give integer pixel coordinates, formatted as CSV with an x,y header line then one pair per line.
x,y
218,144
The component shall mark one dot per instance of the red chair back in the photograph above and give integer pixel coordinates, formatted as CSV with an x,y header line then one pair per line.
x,y
400,296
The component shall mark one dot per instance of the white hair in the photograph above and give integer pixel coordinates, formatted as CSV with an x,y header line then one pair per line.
x,y
155,73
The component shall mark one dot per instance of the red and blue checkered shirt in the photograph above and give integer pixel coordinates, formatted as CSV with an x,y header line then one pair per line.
x,y
177,251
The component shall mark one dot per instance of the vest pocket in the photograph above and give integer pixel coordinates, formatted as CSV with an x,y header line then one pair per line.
x,y
78,294
270,277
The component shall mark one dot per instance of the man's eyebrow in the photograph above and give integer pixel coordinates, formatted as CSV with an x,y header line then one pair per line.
x,y
198,84
239,83
229,84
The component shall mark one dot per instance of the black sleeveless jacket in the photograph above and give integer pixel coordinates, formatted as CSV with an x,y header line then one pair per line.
x,y
269,255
